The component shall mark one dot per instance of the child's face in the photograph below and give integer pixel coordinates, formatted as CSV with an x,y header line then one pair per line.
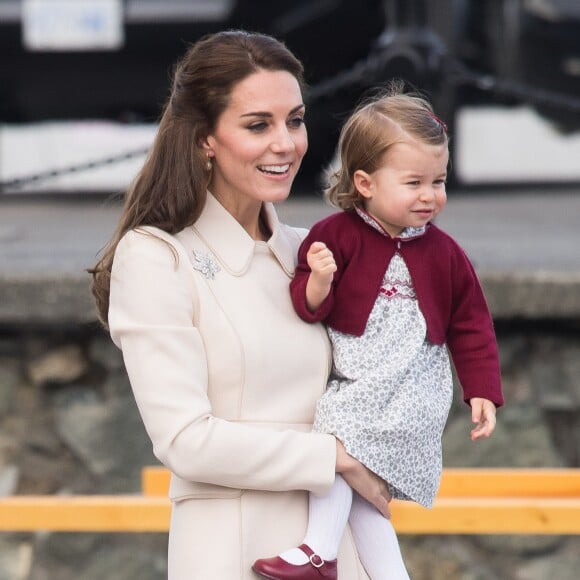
x,y
409,189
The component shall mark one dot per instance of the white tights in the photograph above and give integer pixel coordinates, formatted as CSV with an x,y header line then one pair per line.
x,y
374,536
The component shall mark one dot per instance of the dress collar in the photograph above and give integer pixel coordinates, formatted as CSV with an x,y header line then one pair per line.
x,y
407,233
231,244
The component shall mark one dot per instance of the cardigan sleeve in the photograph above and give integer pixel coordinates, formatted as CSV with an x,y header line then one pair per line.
x,y
153,309
471,336
300,279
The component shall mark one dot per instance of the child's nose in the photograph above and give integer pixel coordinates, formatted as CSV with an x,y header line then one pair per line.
x,y
427,193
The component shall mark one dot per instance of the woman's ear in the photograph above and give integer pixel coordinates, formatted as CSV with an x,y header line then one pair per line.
x,y
363,183
206,145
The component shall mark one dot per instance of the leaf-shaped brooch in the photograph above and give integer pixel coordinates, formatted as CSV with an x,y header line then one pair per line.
x,y
205,263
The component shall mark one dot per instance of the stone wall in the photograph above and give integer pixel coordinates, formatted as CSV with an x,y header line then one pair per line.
x,y
68,424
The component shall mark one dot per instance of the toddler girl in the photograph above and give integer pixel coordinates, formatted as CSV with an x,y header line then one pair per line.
x,y
396,294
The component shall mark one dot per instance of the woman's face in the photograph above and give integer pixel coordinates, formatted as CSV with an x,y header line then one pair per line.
x,y
259,140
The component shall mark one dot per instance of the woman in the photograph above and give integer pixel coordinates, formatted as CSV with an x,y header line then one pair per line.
x,y
194,286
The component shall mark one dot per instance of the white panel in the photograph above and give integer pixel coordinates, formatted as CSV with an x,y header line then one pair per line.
x,y
72,24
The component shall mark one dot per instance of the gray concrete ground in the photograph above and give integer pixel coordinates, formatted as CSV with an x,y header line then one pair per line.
x,y
503,231
525,246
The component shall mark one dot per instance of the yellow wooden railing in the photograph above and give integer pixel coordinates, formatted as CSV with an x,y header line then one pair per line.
x,y
470,501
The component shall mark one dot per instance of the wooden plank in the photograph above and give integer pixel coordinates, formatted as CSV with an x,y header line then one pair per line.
x,y
151,514
538,482
84,513
155,480
489,516
455,482
470,501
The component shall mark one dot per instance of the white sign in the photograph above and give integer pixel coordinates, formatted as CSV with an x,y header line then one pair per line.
x,y
37,148
72,25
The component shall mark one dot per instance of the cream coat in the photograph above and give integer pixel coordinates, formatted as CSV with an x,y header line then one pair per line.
x,y
226,378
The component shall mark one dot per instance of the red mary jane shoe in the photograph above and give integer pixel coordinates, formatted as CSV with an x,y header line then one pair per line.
x,y
278,569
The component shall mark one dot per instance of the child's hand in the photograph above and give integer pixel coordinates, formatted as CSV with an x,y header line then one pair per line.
x,y
323,267
482,413
321,261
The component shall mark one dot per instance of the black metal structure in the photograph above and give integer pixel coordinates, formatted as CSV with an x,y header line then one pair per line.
x,y
457,51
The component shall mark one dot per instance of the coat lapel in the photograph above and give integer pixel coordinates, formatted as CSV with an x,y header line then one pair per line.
x,y
230,244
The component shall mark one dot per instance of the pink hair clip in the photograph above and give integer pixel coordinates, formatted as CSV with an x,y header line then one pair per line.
x,y
440,121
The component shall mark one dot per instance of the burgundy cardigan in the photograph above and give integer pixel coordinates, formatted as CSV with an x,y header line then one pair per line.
x,y
448,291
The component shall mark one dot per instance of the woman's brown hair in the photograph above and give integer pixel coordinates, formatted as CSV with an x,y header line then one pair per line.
x,y
374,126
169,191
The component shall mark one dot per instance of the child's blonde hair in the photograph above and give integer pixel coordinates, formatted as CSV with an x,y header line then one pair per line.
x,y
374,126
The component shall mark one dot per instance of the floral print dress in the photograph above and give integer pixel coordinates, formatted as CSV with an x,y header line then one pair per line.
x,y
390,391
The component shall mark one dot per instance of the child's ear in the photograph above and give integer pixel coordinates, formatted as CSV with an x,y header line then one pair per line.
x,y
363,183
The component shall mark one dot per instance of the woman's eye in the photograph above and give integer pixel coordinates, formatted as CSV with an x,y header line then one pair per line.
x,y
258,127
296,122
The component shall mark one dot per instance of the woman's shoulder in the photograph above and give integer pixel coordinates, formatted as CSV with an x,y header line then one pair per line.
x,y
293,234
143,234
147,239
149,244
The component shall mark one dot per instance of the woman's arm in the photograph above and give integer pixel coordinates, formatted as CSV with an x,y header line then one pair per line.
x,y
152,313
366,483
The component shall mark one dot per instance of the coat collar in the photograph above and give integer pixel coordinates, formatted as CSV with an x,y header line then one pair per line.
x,y
231,244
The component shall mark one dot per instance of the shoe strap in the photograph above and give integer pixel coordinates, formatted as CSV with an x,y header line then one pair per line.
x,y
316,560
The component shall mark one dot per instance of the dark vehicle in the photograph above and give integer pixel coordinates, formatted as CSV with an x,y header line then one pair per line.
x,y
458,51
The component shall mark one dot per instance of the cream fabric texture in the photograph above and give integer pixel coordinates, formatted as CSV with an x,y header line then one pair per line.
x,y
226,378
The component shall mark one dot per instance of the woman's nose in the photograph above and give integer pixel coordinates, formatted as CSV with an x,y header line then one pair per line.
x,y
283,141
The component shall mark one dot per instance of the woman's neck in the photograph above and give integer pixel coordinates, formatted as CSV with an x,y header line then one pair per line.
x,y
249,214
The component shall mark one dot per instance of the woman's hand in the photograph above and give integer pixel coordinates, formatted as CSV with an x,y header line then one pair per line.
x,y
366,483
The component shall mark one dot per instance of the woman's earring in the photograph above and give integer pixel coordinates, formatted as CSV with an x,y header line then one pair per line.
x,y
208,164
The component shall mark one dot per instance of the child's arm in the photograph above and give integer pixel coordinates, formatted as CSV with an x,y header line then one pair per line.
x,y
482,413
322,266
